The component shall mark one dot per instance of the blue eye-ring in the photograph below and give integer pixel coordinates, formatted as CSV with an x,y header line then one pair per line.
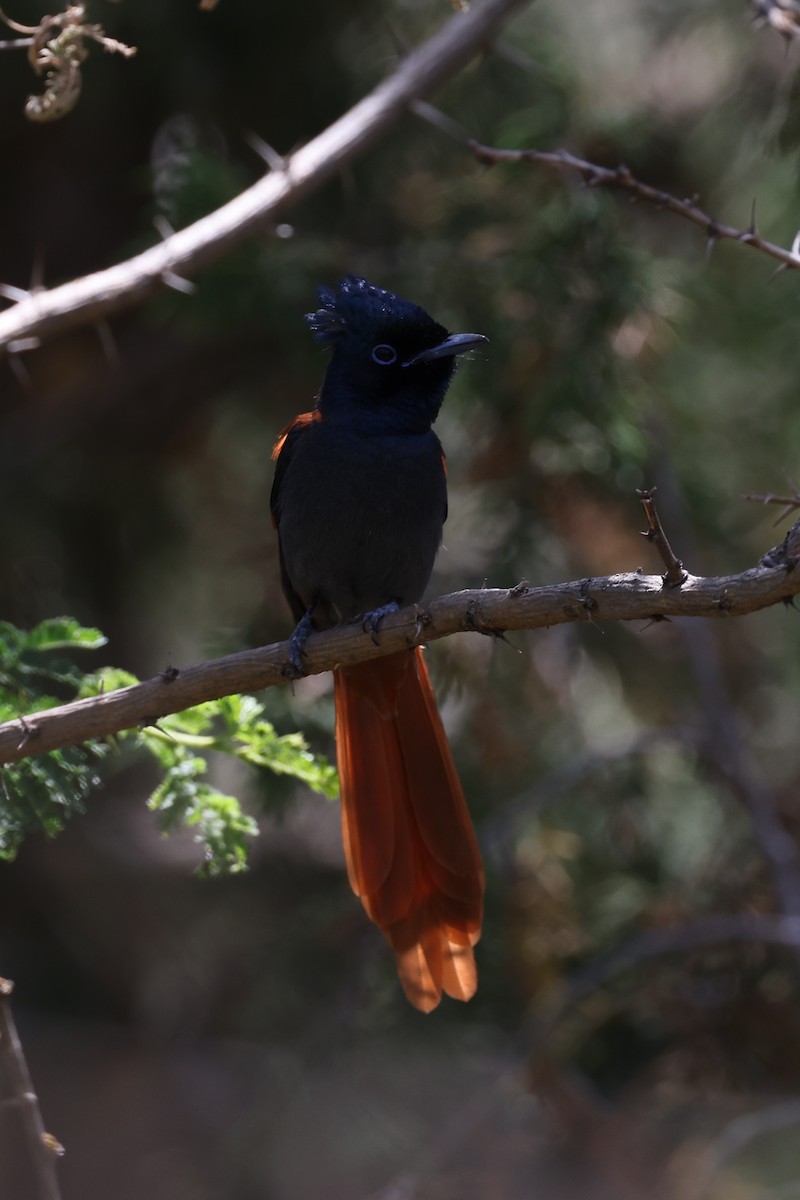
x,y
384,355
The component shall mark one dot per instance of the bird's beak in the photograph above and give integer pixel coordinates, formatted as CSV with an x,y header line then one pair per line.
x,y
457,343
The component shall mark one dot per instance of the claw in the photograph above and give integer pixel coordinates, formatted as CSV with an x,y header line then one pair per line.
x,y
372,620
297,642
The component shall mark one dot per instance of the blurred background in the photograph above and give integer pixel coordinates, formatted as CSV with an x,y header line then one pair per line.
x,y
245,1037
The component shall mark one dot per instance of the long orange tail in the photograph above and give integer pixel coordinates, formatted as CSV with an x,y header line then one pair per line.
x,y
411,851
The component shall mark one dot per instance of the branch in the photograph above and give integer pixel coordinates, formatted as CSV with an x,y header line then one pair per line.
x,y
42,1146
675,574
780,15
628,597
104,292
650,944
620,177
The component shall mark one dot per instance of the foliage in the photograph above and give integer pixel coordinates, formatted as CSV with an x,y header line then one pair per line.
x,y
35,666
37,671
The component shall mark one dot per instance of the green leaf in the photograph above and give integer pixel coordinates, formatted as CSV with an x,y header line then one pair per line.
x,y
59,633
41,792
220,826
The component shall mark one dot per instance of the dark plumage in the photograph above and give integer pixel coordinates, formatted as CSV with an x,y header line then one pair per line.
x,y
359,500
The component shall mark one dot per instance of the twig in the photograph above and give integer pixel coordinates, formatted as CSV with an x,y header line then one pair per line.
x,y
790,503
712,930
675,574
85,300
42,1147
726,748
628,597
736,1135
621,177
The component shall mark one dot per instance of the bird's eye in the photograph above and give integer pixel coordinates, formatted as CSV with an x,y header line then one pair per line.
x,y
384,355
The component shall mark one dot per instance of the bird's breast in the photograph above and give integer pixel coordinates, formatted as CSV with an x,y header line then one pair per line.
x,y
361,517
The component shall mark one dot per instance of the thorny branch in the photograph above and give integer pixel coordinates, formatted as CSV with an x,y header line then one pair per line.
x,y
675,574
43,1148
628,597
790,503
94,297
622,178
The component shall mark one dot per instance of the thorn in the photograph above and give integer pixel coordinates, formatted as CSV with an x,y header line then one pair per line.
x,y
20,345
711,242
499,635
37,269
401,43
20,372
518,57
422,619
274,160
153,723
657,619
178,283
796,244
28,732
778,271
434,116
163,228
108,344
9,292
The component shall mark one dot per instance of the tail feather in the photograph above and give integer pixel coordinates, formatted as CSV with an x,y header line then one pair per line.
x,y
411,851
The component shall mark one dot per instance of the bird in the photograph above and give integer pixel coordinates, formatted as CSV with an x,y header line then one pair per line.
x,y
359,499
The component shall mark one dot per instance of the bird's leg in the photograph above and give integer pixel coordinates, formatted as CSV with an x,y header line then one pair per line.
x,y
297,642
372,620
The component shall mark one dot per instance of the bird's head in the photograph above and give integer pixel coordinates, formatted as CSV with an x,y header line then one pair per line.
x,y
391,361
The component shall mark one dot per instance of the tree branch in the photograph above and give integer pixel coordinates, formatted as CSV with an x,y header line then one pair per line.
x,y
43,1149
98,295
621,178
627,597
642,948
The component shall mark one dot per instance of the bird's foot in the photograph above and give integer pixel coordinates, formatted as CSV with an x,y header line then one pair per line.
x,y
372,620
297,642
